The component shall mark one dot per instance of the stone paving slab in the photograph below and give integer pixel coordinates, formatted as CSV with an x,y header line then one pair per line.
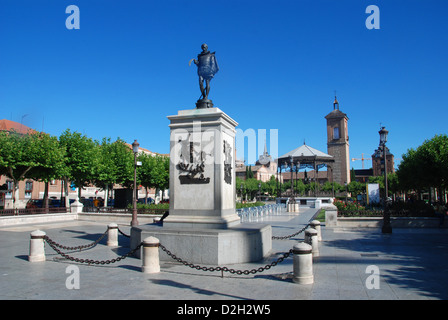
x,y
412,264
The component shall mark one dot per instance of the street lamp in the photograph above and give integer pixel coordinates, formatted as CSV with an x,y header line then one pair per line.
x,y
241,191
346,191
292,200
387,228
134,221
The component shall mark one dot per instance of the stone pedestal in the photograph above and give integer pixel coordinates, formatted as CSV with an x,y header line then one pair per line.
x,y
202,226
238,244
202,170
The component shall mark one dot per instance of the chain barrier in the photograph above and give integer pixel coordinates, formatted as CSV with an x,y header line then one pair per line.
x,y
126,235
225,269
80,248
233,271
291,235
55,246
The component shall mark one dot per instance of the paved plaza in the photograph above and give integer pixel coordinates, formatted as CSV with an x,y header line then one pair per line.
x,y
412,264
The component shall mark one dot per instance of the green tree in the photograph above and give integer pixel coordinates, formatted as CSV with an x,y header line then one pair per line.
x,y
330,187
299,187
80,158
17,157
144,171
114,164
271,186
425,167
352,174
155,171
33,155
49,161
238,184
252,187
249,173
356,188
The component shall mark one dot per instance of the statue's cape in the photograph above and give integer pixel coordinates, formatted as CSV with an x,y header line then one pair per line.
x,y
207,66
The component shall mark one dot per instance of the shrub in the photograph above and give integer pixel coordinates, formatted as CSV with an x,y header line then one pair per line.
x,y
350,206
250,204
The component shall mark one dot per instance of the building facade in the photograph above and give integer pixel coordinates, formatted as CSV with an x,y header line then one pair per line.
x,y
34,190
337,144
378,162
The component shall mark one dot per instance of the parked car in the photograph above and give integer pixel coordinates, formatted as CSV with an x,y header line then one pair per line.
x,y
39,203
149,200
34,204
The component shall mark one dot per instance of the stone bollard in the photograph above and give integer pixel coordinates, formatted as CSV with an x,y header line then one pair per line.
x,y
302,263
331,216
37,246
76,206
112,235
293,207
315,224
311,238
150,258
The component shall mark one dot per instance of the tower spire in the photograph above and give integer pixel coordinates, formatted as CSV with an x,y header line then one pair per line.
x,y
335,103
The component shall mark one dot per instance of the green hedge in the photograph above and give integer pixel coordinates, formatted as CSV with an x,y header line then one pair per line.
x,y
160,206
250,204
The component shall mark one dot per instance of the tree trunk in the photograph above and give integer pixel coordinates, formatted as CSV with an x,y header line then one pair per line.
x,y
106,195
15,193
67,200
45,200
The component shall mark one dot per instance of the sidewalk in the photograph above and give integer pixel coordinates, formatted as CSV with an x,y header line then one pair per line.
x,y
412,264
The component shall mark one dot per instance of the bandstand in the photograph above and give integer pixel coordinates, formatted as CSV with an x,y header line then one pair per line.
x,y
304,157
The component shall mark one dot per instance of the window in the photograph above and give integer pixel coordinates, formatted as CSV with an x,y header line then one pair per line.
x,y
29,186
336,133
28,189
8,194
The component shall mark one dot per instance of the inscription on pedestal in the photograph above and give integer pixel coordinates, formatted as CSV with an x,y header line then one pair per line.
x,y
227,163
192,163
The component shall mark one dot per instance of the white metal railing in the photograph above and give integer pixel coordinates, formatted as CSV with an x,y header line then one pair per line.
x,y
254,214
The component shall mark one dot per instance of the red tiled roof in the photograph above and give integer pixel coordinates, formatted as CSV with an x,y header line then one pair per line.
x,y
8,125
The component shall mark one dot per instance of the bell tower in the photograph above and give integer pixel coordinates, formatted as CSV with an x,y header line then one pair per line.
x,y
337,143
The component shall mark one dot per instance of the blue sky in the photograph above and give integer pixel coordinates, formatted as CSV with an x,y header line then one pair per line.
x,y
126,69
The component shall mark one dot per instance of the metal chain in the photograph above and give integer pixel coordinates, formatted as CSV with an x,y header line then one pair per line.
x,y
53,245
127,236
291,235
225,269
79,247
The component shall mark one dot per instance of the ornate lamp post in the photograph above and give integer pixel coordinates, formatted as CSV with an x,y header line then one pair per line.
x,y
346,191
134,221
387,228
292,200
297,172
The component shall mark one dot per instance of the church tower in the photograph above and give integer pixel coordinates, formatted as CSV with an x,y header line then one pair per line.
x,y
337,144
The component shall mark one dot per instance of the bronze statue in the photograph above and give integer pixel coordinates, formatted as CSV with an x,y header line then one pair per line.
x,y
207,68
